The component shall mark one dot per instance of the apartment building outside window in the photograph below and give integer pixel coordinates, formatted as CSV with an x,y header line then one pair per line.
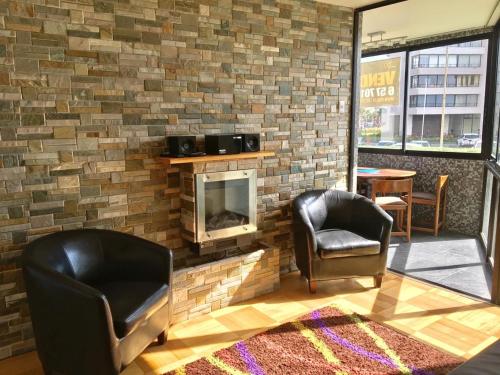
x,y
445,99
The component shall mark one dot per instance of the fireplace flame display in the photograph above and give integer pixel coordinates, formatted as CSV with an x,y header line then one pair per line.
x,y
225,204
226,219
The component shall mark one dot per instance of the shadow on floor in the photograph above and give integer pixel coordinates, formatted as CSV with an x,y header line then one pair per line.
x,y
451,260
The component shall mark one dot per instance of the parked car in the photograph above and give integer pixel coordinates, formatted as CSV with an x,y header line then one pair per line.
x,y
468,140
419,143
385,143
478,144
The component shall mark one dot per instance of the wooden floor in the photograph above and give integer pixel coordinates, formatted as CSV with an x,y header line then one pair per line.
x,y
450,321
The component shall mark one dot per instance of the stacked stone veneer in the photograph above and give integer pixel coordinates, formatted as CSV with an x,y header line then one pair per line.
x,y
200,290
90,88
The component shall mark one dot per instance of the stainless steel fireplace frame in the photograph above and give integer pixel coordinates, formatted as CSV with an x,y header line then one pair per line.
x,y
201,180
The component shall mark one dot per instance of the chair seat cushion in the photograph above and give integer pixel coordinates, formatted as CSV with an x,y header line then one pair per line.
x,y
336,243
133,302
390,201
422,195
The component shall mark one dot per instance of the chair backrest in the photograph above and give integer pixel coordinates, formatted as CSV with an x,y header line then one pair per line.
x,y
325,207
79,254
442,186
404,186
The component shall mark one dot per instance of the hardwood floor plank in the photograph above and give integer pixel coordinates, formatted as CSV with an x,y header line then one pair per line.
x,y
445,319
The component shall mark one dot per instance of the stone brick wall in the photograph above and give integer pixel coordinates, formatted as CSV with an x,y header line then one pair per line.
x,y
90,88
203,289
465,189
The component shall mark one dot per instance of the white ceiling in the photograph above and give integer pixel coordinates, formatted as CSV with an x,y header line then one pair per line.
x,y
419,18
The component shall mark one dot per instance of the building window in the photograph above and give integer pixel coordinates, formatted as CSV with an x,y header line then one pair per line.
x,y
441,61
476,43
458,100
444,107
437,80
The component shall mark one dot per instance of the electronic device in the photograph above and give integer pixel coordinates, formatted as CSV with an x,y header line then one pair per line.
x,y
181,145
223,144
250,142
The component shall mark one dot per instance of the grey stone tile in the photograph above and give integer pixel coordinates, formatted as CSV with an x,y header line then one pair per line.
x,y
451,260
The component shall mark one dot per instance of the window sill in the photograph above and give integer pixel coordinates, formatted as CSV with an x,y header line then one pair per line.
x,y
431,154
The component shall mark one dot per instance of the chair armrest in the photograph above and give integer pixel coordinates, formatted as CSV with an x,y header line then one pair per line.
x,y
139,259
372,221
68,318
305,245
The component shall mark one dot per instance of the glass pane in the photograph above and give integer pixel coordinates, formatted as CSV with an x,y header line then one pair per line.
x,y
226,204
448,119
433,61
463,61
460,100
452,61
475,61
381,101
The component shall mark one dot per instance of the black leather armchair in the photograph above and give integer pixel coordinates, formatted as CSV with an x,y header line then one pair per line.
x,y
339,235
97,299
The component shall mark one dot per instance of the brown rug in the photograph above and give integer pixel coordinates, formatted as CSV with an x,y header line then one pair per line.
x,y
331,340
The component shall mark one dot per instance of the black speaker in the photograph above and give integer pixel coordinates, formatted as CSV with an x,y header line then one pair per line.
x,y
223,144
181,145
250,142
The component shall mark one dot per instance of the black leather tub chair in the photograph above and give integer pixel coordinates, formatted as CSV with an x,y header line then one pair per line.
x,y
339,235
97,299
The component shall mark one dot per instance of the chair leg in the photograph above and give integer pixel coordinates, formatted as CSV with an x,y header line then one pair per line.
x,y
313,285
399,220
161,338
436,220
378,280
408,224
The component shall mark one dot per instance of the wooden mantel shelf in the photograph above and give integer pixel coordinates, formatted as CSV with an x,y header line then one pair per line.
x,y
168,161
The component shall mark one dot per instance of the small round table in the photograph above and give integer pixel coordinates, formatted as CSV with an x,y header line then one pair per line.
x,y
367,173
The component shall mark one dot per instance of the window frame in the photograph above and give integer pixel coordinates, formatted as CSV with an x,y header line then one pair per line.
x,y
489,103
493,156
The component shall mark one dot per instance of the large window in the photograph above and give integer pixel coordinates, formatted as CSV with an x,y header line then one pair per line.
x,y
382,101
445,91
495,152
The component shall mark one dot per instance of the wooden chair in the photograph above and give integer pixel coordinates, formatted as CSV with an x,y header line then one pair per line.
x,y
438,200
395,203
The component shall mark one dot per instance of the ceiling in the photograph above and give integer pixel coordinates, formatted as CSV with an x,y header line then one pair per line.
x,y
350,3
420,18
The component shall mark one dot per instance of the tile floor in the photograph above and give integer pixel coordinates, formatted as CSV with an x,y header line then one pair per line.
x,y
452,260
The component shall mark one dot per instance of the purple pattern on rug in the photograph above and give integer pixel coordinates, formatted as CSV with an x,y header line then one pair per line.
x,y
357,349
249,359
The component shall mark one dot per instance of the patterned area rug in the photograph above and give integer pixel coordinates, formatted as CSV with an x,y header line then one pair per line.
x,y
331,340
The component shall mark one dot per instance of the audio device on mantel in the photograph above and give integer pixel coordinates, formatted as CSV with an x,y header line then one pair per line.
x,y
215,144
181,145
250,142
223,144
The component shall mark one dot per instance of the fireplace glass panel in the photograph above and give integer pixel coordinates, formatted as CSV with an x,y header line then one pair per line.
x,y
226,204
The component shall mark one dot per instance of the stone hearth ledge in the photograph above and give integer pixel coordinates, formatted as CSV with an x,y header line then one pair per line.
x,y
202,289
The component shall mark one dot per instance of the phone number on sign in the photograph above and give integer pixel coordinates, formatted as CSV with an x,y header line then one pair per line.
x,y
378,92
